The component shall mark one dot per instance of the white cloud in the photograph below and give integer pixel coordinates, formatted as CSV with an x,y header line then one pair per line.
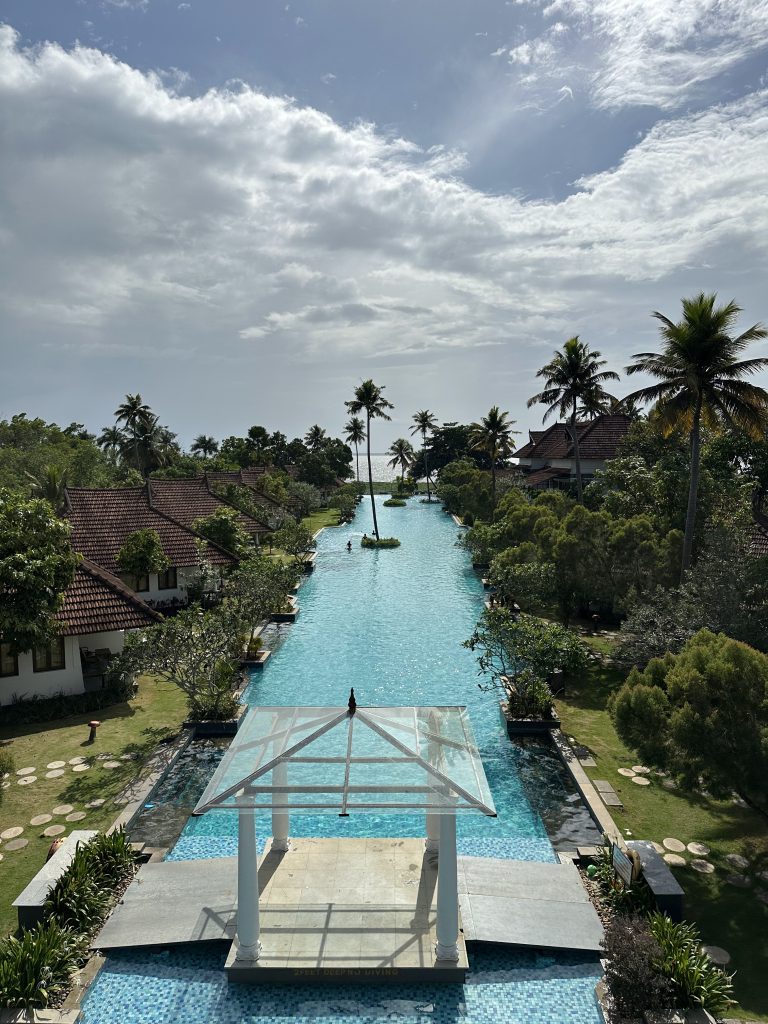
x,y
327,78
236,226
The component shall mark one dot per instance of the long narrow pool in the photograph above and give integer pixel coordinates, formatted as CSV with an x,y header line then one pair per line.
x,y
390,623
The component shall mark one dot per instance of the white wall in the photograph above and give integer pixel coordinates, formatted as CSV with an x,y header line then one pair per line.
x,y
29,683
99,641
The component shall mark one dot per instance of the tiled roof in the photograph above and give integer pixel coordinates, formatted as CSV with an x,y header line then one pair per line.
x,y
244,478
598,439
540,476
98,602
759,543
102,520
187,500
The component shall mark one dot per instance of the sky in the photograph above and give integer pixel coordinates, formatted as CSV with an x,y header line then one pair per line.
x,y
241,209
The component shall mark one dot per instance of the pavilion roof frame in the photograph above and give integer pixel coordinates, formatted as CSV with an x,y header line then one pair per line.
x,y
296,729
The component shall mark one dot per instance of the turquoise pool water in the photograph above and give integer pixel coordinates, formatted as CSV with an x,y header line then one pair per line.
x,y
391,624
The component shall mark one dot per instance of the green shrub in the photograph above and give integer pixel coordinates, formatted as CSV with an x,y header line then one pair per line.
x,y
623,899
696,979
382,542
469,519
39,965
28,711
528,696
110,857
632,969
77,900
395,503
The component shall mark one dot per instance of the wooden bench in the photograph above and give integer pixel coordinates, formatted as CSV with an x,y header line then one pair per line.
x,y
29,903
667,891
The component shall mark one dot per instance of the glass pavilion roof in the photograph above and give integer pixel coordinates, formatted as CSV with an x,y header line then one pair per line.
x,y
344,760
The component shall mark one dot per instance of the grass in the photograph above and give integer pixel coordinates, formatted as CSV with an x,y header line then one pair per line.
x,y
727,916
136,727
320,518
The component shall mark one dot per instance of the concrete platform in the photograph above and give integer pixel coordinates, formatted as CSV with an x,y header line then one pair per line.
x,y
526,903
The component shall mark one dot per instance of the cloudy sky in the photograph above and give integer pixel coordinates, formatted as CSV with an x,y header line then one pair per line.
x,y
240,208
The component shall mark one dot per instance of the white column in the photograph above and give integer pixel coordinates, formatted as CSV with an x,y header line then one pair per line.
x,y
248,944
280,818
447,891
433,833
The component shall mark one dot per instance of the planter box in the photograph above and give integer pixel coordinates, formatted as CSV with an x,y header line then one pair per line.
x,y
527,726
257,661
285,616
224,728
308,565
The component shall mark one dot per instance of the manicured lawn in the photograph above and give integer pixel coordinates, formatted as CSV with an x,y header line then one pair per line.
x,y
727,916
322,517
137,727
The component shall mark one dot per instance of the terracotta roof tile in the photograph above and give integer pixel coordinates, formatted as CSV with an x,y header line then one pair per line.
x,y
98,602
598,439
187,500
540,476
759,543
244,478
102,520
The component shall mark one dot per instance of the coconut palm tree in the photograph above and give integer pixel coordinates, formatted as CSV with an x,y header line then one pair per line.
x,y
493,436
50,484
111,440
354,433
701,382
204,446
424,422
134,414
402,454
370,400
314,437
573,377
630,406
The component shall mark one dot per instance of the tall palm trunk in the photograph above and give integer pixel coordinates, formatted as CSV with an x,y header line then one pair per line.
x,y
357,462
693,489
370,477
577,453
426,462
493,488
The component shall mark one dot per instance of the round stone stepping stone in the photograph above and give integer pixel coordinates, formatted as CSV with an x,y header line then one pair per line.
x,y
703,867
698,849
26,771
669,784
128,757
16,844
674,845
104,757
80,767
56,764
640,780
75,760
40,819
658,847
718,955
99,802
626,772
55,773
27,780
675,860
737,861
111,764
54,830
63,809
740,881
11,833
76,816
641,769
6,785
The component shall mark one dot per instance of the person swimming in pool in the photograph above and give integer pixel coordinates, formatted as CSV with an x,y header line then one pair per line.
x,y
349,545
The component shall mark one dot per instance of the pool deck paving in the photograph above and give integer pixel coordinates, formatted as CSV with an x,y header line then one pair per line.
x,y
358,907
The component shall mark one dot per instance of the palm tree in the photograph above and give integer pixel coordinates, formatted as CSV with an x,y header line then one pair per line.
x,y
314,437
402,454
700,382
369,398
205,446
51,484
630,406
424,422
573,377
134,413
493,436
354,433
111,440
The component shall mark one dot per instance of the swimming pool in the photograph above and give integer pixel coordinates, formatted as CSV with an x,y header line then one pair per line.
x,y
390,623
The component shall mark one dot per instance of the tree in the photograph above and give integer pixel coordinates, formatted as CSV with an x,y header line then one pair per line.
x,y
354,433
296,540
111,440
463,488
255,589
571,378
701,383
424,422
402,454
134,413
314,437
141,554
305,498
205,446
369,398
702,715
493,436
51,485
530,584
37,565
224,528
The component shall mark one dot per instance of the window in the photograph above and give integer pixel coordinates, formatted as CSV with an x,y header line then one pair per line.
x,y
50,658
142,583
9,663
167,580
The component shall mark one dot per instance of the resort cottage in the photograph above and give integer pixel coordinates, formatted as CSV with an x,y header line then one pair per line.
x,y
548,460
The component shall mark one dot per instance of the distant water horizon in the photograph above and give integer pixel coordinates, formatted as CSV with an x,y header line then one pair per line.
x,y
383,473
